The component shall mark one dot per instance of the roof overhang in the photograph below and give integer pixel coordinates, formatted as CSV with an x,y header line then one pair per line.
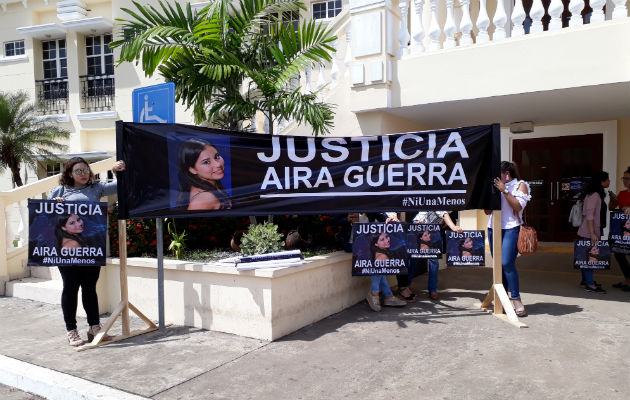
x,y
43,32
89,26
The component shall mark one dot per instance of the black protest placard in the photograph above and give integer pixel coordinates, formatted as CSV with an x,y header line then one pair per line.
x,y
465,249
66,233
620,232
424,241
189,170
591,256
379,249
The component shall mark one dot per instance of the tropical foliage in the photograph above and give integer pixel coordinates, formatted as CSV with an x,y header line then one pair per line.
x,y
24,137
233,59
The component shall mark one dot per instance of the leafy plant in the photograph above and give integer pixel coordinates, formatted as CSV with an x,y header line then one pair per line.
x,y
26,139
232,59
261,239
178,241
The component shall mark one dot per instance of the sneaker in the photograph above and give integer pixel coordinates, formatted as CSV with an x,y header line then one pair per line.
x,y
374,301
74,339
596,289
393,301
583,284
94,330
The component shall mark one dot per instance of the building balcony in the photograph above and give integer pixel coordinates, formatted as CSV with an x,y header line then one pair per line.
x,y
97,93
52,96
445,62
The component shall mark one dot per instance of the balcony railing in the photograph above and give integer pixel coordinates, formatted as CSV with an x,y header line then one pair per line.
x,y
467,22
52,96
97,93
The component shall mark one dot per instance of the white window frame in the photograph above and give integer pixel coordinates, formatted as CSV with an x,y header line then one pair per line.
x,y
102,54
327,3
14,42
57,58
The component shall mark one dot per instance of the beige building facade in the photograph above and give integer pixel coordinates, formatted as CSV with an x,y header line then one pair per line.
x,y
561,68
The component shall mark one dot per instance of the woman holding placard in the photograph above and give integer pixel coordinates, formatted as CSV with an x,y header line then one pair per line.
x,y
622,202
594,219
77,183
435,217
515,194
379,247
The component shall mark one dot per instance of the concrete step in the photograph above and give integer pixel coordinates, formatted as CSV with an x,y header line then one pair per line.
x,y
45,273
39,289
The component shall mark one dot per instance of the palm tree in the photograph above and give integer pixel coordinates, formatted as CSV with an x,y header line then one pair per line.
x,y
232,59
25,138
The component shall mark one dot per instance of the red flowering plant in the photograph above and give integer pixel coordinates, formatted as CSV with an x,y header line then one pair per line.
x,y
316,231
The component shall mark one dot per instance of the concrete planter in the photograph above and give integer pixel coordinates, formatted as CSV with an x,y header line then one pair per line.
x,y
264,304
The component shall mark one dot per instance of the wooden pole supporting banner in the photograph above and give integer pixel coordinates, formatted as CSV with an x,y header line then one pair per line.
x,y
497,291
122,309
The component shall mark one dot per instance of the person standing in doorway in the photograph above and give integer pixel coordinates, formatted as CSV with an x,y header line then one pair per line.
x,y
593,222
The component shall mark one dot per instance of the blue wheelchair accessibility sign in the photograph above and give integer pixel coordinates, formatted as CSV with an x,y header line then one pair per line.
x,y
154,103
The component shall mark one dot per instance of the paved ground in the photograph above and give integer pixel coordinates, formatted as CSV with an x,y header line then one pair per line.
x,y
576,347
9,393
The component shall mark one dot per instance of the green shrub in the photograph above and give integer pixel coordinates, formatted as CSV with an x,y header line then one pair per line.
x,y
261,239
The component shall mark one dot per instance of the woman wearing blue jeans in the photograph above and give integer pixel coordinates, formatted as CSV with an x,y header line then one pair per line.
x,y
514,197
434,217
593,222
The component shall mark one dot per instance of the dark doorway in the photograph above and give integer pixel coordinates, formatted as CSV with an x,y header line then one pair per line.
x,y
556,169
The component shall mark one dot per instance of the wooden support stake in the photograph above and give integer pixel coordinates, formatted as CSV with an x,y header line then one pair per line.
x,y
497,291
122,309
124,294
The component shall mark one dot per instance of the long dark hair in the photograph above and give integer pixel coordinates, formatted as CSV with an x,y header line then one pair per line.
x,y
189,153
374,249
507,166
595,184
421,242
66,176
60,234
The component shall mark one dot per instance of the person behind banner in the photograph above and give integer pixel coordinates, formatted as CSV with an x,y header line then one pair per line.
x,y
379,248
515,194
622,202
201,169
434,217
68,231
593,222
77,183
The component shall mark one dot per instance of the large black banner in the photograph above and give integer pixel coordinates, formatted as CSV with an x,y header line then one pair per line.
x,y
181,170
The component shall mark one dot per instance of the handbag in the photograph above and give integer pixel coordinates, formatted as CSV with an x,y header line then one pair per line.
x,y
527,239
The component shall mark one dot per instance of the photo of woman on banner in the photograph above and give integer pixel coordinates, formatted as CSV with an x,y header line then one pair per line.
x,y
201,169
427,239
68,232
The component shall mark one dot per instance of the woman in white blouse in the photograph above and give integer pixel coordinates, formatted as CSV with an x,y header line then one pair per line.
x,y
515,194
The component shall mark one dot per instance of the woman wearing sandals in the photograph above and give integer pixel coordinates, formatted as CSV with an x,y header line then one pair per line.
x,y
515,194
77,184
